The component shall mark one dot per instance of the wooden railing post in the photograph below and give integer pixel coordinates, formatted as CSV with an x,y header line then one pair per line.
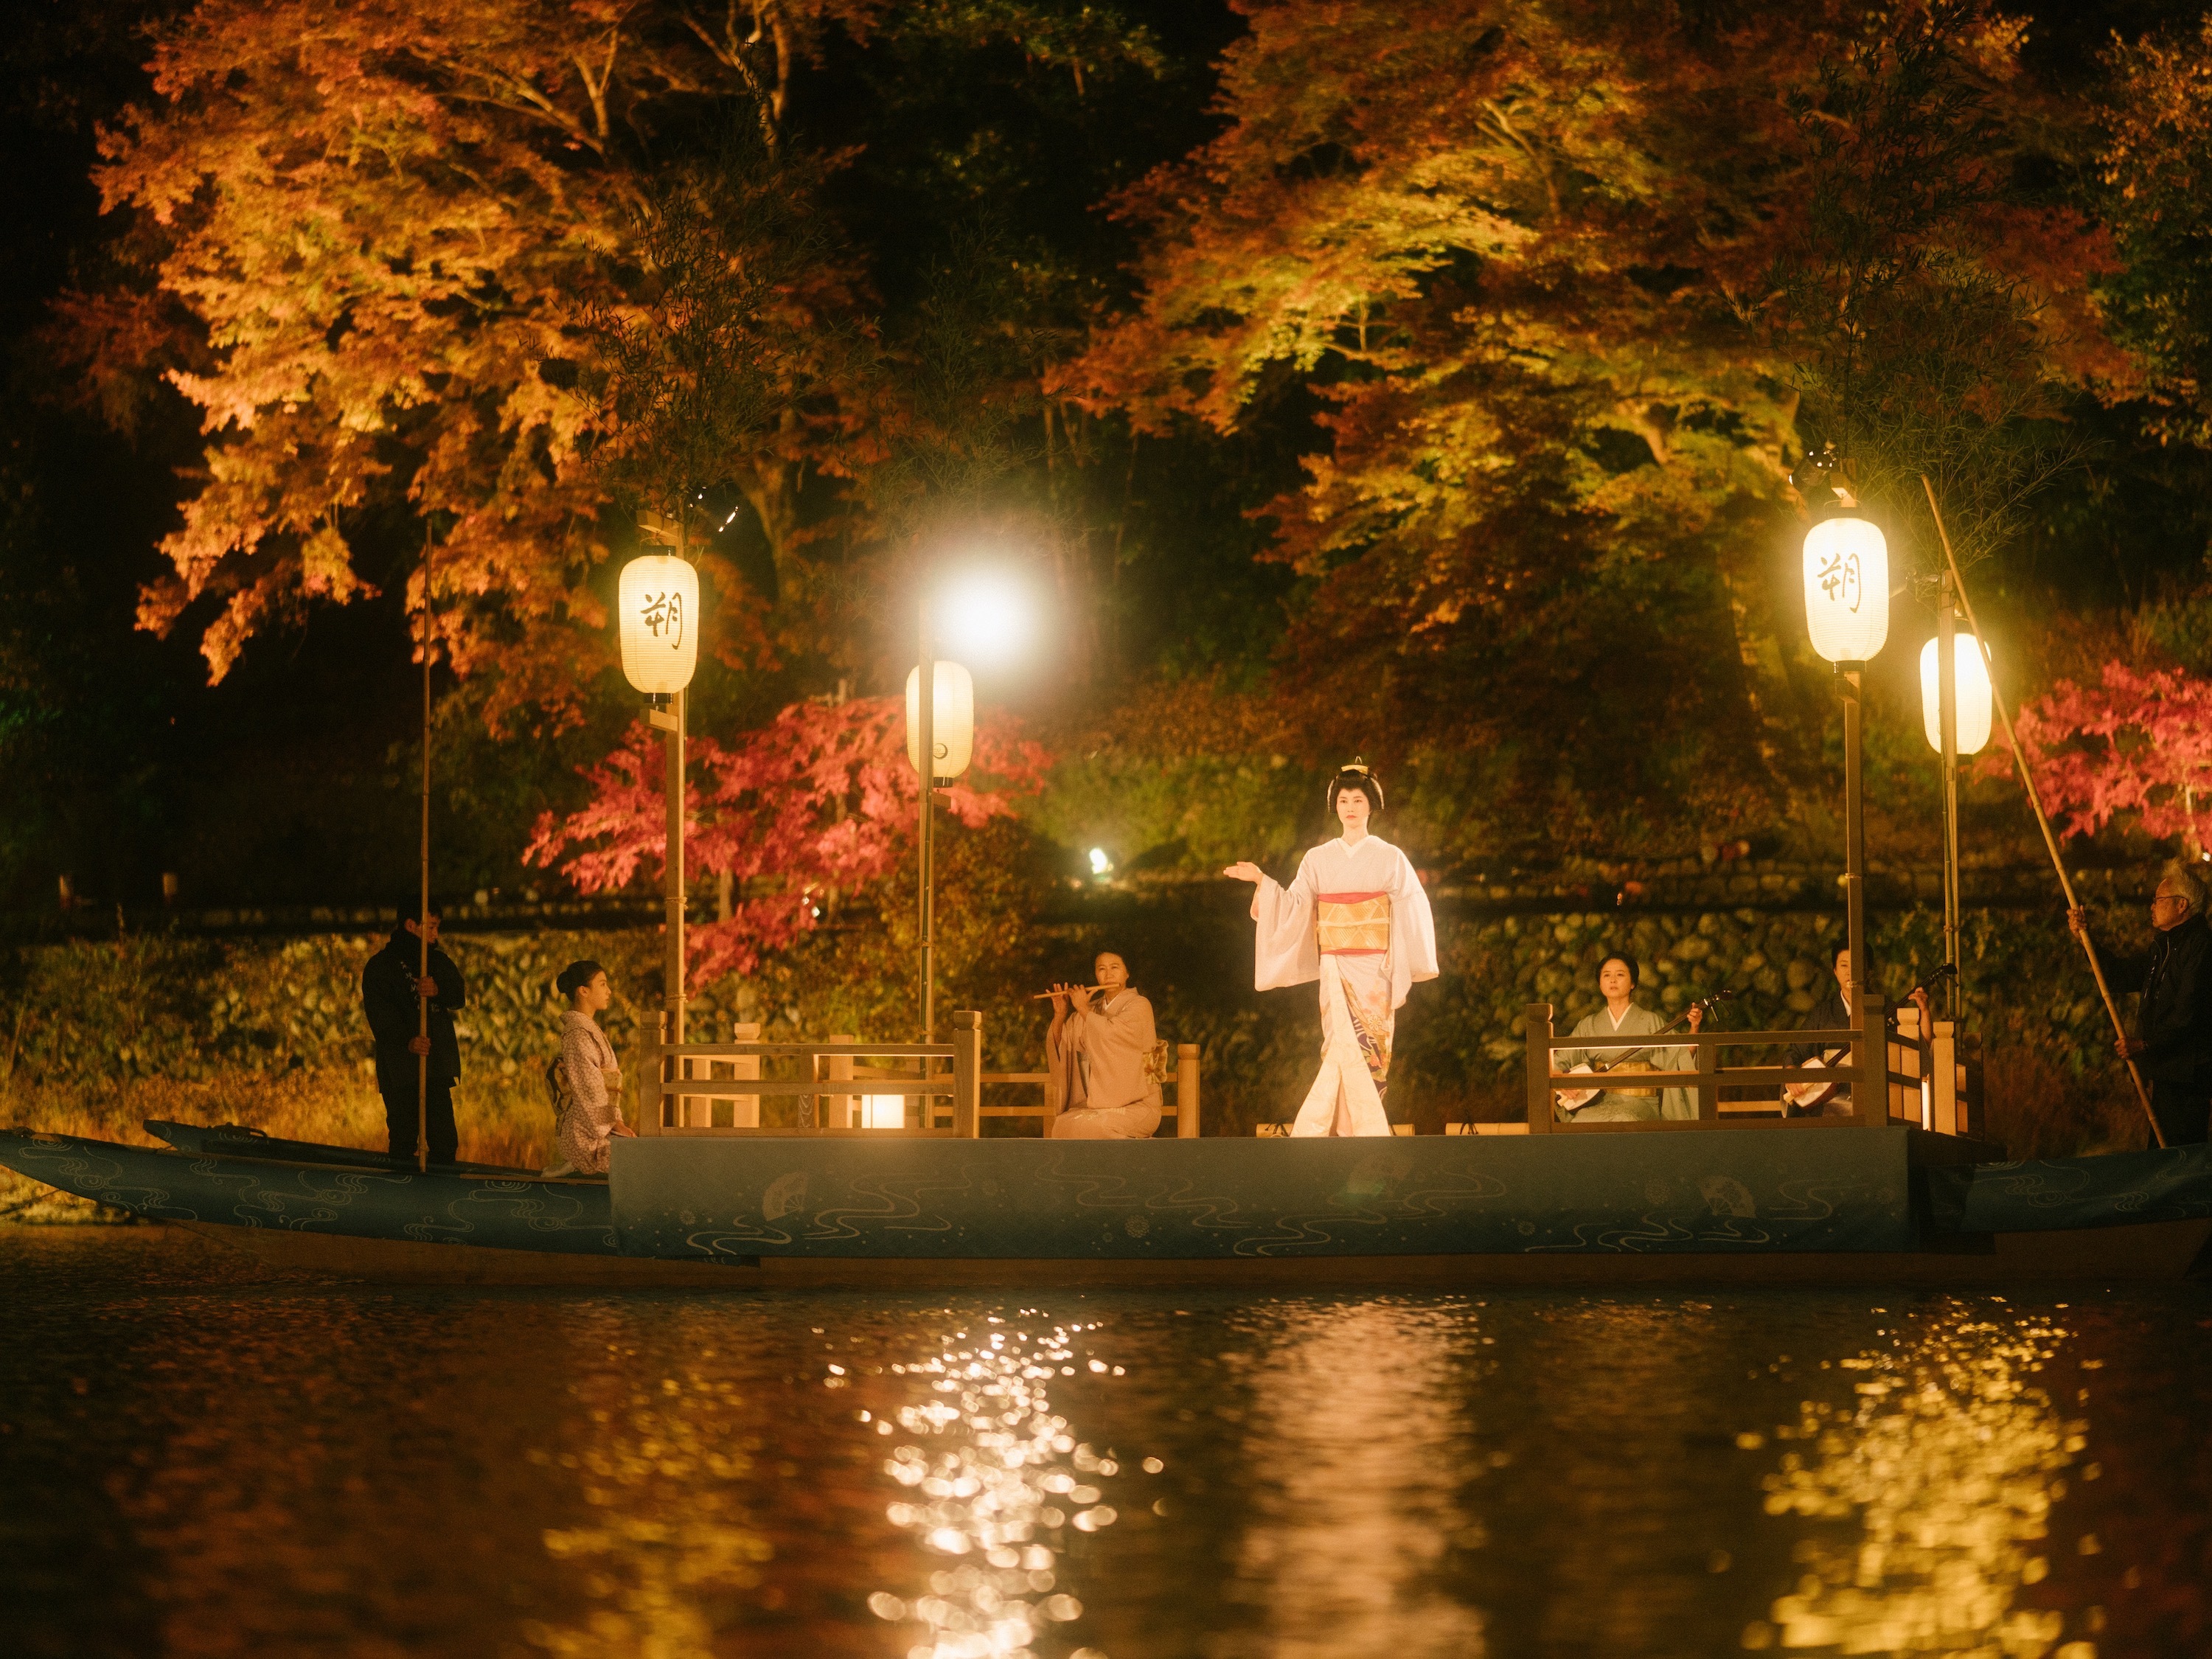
x,y
1708,1090
652,1073
1187,1091
1943,1079
838,1110
967,1072
745,1110
1536,1025
1870,1094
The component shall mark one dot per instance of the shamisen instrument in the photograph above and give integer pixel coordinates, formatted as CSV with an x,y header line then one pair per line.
x,y
1807,1096
1573,1100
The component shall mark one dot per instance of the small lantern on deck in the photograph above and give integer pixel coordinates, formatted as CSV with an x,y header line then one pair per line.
x,y
951,719
1970,666
883,1112
659,610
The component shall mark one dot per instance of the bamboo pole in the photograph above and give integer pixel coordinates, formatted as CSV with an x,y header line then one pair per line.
x,y
926,732
422,914
2042,819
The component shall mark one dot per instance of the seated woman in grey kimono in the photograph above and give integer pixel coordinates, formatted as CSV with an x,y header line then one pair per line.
x,y
1095,1051
1622,1016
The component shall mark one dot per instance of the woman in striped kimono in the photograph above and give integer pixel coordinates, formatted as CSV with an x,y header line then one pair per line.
x,y
1356,919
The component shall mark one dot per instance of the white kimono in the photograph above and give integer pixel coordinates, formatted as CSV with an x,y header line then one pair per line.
x,y
1356,919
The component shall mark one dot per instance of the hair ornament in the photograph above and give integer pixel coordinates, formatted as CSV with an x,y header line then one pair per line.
x,y
1355,768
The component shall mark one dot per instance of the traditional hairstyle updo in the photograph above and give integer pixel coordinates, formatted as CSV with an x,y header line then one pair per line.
x,y
576,976
1356,776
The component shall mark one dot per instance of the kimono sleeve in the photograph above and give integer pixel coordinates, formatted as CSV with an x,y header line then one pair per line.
x,y
1285,950
1412,933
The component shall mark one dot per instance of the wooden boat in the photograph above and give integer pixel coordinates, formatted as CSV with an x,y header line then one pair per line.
x,y
1733,1206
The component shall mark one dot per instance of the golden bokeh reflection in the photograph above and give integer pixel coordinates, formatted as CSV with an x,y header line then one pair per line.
x,y
991,1481
1356,1431
1947,1465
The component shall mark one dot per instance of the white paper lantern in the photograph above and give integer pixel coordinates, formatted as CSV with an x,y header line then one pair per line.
x,y
1970,672
660,611
952,718
1846,589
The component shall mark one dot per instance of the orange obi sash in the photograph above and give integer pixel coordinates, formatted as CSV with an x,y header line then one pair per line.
x,y
1353,924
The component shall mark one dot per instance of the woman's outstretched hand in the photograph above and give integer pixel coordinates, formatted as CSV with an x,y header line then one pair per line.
x,y
1245,871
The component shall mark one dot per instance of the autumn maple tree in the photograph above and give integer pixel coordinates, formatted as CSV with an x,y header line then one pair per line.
x,y
373,235
1522,258
821,801
2137,743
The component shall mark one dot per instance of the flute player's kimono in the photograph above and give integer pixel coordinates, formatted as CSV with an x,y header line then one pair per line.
x,y
1355,918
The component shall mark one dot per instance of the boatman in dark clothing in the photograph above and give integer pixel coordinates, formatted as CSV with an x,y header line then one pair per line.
x,y
2173,1042
390,995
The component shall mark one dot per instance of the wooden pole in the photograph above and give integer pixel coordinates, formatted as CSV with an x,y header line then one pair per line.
x,y
2042,821
672,976
1849,683
1947,708
422,915
926,732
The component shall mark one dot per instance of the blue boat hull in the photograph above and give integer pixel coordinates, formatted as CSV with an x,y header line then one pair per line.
x,y
1724,1192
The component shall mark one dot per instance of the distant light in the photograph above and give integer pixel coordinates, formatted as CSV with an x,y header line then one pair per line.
x,y
1100,864
984,617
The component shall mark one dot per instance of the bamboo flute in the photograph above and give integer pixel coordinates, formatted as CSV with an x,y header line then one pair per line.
x,y
2042,820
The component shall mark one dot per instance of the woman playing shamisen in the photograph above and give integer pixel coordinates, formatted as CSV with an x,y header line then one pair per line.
x,y
1357,919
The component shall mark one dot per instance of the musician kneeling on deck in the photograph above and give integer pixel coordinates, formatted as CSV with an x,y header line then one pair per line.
x,y
2172,1043
1833,1012
390,996
1098,1051
1618,976
586,1079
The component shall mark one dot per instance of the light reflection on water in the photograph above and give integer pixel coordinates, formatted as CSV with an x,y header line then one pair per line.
x,y
1948,1461
994,1477
191,1466
1365,1447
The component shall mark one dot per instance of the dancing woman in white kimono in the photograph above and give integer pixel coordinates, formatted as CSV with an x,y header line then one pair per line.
x,y
1356,919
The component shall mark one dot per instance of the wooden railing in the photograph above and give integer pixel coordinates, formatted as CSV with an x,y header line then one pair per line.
x,y
679,1084
1939,1104
1183,1109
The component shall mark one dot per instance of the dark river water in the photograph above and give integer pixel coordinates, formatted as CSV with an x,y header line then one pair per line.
x,y
197,1458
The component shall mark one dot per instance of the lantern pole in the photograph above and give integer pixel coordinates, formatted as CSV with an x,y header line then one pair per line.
x,y
1849,684
422,915
2043,822
926,731
673,975
1947,721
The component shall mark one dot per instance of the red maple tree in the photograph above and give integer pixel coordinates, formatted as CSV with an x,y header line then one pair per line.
x,y
2137,742
820,801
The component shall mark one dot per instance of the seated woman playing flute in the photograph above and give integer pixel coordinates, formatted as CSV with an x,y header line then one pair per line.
x,y
1098,1049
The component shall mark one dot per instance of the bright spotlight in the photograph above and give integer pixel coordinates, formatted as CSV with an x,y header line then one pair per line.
x,y
983,617
1100,864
